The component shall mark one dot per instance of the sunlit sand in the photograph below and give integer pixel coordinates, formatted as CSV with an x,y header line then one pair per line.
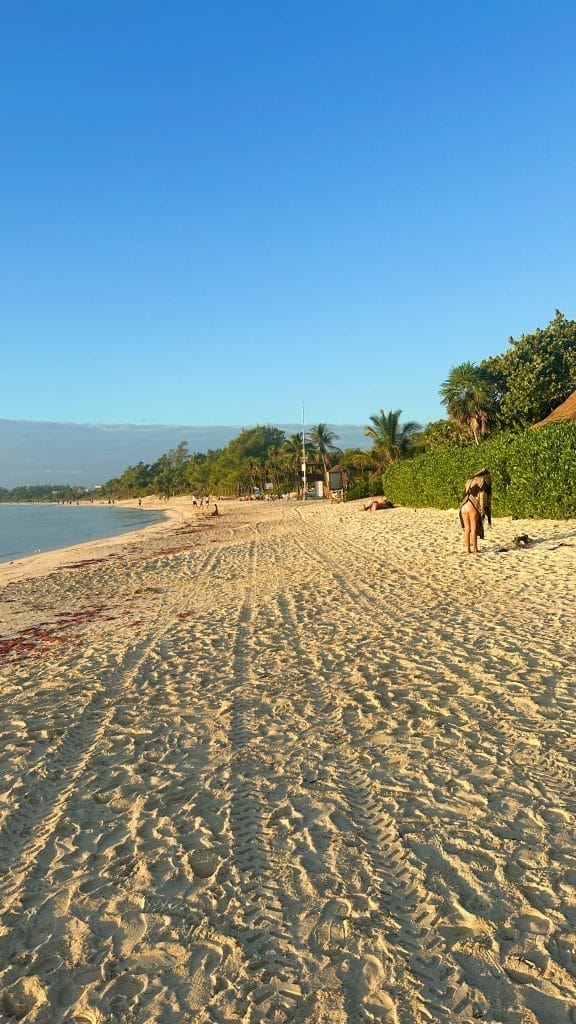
x,y
297,763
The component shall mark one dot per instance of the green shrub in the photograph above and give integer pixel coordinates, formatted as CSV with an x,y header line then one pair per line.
x,y
363,487
533,474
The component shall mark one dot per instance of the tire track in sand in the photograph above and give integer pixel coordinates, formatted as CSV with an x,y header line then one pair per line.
x,y
275,992
402,928
27,828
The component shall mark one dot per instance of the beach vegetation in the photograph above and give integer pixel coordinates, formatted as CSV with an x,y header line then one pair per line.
x,y
250,460
492,403
441,434
535,374
359,463
246,459
508,392
260,459
363,485
323,446
467,394
533,474
391,439
41,493
290,461
197,469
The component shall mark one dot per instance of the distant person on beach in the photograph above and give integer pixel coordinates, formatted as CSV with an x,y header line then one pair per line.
x,y
474,508
215,512
376,505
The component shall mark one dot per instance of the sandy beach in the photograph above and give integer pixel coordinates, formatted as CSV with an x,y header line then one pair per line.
x,y
297,763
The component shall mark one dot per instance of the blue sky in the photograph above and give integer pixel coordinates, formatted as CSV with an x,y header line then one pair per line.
x,y
213,210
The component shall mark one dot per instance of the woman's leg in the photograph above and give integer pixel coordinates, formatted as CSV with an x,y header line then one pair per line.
x,y
466,519
474,524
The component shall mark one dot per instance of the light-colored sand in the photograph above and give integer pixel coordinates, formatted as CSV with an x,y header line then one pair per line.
x,y
297,764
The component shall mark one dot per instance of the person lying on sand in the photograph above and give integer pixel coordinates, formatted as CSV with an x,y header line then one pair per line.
x,y
376,505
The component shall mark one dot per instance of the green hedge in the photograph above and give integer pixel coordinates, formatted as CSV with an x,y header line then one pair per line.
x,y
533,474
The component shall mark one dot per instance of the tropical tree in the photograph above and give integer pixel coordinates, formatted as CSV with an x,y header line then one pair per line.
x,y
259,473
468,395
197,470
178,458
291,454
161,475
534,375
244,457
357,460
323,440
273,468
392,440
134,480
442,434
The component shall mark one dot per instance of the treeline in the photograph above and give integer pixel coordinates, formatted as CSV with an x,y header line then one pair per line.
x,y
41,492
509,392
502,395
261,458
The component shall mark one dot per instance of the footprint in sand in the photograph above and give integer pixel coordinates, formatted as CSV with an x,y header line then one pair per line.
x,y
331,930
130,933
202,972
366,980
72,988
527,954
107,841
22,998
125,988
48,964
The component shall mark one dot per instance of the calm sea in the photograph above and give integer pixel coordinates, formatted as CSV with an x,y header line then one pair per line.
x,y
29,529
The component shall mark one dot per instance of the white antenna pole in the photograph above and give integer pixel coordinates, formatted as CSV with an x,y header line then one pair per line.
x,y
303,456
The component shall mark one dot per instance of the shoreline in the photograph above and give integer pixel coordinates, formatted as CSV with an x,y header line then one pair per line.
x,y
16,559
180,509
298,760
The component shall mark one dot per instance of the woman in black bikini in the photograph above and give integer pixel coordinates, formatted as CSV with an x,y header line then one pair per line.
x,y
474,508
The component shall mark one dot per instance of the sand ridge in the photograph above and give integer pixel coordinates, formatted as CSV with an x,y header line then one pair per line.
x,y
300,763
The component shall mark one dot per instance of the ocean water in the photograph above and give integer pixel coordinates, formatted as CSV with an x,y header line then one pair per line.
x,y
29,529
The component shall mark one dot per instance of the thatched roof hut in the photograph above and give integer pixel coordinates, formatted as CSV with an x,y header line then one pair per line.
x,y
563,412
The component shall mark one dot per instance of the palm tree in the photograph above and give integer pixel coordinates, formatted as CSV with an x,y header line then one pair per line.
x,y
273,466
292,451
250,473
469,398
323,440
391,439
